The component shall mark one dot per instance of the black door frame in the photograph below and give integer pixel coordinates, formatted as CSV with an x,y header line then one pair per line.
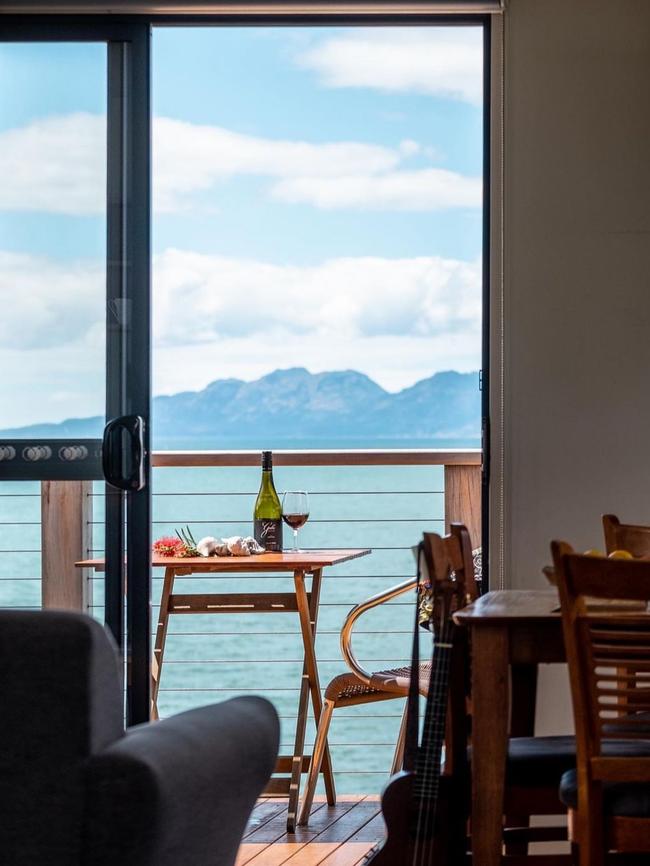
x,y
128,326
407,19
129,277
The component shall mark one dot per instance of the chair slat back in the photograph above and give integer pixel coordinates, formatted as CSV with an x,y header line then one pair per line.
x,y
626,536
452,554
607,639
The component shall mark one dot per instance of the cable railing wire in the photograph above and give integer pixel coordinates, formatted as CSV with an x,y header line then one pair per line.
x,y
196,676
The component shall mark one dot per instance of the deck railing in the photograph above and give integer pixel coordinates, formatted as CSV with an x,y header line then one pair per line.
x,y
378,499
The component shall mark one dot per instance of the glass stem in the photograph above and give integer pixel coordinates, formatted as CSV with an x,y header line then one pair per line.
x,y
295,539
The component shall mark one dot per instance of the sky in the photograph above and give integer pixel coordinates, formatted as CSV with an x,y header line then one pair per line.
x,y
317,203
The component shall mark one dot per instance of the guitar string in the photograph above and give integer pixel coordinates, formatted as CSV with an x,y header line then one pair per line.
x,y
436,765
433,687
420,778
417,768
434,725
427,783
422,781
433,766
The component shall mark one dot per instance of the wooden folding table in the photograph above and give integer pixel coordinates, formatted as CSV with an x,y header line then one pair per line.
x,y
289,768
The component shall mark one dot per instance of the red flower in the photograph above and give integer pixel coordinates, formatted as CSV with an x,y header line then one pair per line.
x,y
169,546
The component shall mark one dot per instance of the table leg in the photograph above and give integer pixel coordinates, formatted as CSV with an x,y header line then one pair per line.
x,y
310,685
314,682
489,741
161,637
523,698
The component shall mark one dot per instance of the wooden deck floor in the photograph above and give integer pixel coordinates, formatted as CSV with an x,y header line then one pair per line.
x,y
338,835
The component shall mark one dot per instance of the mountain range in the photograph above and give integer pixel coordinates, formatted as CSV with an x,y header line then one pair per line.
x,y
297,404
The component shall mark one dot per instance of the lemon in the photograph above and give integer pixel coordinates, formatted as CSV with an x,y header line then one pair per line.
x,y
620,554
593,552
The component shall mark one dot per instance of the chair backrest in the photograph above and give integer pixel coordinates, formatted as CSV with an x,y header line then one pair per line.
x,y
454,552
61,702
607,638
452,555
626,536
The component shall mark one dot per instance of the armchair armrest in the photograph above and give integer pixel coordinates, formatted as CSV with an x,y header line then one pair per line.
x,y
359,610
179,792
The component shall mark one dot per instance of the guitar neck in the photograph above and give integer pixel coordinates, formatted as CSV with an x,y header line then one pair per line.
x,y
427,769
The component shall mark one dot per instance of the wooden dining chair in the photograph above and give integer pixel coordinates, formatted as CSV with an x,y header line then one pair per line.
x,y
626,536
534,764
608,652
359,686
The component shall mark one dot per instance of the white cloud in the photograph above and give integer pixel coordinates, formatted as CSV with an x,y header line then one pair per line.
x,y
189,157
56,165
397,320
204,298
437,61
424,190
52,339
46,303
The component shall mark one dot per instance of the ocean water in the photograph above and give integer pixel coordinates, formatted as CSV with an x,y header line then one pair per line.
x,y
212,657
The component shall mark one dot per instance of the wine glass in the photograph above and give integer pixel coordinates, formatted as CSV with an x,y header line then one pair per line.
x,y
295,512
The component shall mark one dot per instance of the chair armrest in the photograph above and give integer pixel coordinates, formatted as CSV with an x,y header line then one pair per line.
x,y
179,792
359,610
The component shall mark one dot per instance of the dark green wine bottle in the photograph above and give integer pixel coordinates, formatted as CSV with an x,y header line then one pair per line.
x,y
267,516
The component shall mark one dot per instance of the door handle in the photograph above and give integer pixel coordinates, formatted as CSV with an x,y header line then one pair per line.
x,y
123,452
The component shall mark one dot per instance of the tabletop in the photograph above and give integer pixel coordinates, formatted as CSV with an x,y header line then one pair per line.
x,y
288,560
508,605
534,607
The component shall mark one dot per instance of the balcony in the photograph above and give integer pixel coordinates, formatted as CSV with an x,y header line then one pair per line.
x,y
382,500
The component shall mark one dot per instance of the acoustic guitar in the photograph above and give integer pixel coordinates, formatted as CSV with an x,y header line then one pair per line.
x,y
424,811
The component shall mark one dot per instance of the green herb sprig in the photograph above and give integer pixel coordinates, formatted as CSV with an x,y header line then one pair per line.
x,y
185,535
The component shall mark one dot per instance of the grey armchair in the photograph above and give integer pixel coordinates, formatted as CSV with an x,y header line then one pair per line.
x,y
76,789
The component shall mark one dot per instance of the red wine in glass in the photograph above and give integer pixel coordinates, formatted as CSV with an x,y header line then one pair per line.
x,y
295,512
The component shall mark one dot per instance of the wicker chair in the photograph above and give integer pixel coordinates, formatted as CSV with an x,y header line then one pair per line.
x,y
363,687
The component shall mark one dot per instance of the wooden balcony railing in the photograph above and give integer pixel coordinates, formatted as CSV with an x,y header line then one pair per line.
x,y
67,507
382,499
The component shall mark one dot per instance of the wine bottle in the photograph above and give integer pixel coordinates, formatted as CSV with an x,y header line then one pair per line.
x,y
267,516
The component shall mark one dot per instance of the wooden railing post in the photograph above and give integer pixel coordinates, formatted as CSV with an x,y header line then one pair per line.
x,y
463,499
66,531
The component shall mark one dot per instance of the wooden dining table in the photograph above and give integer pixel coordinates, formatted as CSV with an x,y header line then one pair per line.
x,y
302,601
511,632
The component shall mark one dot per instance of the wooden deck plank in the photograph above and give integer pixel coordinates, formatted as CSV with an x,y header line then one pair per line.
x,y
275,829
263,812
333,838
348,854
346,826
357,846
373,831
271,845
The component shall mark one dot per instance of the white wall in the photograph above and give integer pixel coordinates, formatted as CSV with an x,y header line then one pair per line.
x,y
576,278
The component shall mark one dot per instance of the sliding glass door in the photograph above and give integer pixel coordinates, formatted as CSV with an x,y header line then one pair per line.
x,y
75,290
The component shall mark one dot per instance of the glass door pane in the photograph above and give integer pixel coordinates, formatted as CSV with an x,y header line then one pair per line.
x,y
53,152
52,252
74,331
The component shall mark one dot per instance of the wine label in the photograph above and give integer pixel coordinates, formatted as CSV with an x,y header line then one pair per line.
x,y
268,533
